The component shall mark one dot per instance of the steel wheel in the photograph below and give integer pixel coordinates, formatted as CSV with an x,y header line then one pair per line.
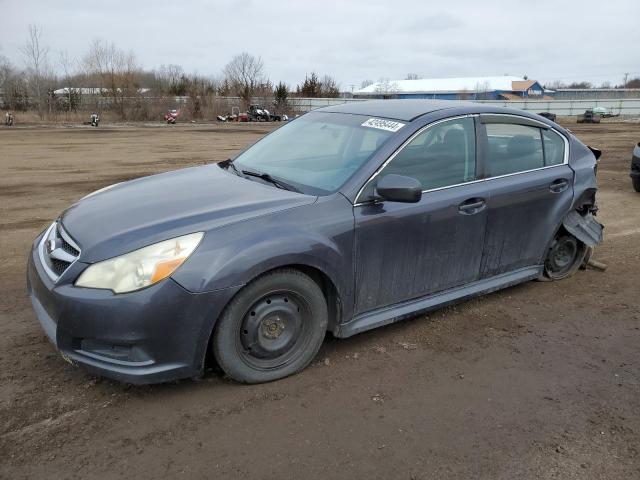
x,y
274,330
564,257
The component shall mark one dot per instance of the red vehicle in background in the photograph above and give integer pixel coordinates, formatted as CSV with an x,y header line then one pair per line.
x,y
171,116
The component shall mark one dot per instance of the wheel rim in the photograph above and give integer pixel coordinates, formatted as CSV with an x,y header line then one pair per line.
x,y
562,256
274,331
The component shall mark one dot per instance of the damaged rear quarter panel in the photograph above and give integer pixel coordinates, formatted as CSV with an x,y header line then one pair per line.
x,y
583,162
580,220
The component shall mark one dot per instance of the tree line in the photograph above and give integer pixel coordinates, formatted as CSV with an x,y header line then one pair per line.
x,y
117,82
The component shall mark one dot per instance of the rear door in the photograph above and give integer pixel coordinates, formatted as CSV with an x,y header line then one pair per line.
x,y
408,250
530,190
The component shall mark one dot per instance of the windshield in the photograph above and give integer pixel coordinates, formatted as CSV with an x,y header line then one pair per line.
x,y
316,153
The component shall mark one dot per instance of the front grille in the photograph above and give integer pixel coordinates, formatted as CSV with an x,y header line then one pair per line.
x,y
67,247
59,266
57,251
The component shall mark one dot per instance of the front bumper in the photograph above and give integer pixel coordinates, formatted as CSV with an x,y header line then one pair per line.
x,y
635,163
153,335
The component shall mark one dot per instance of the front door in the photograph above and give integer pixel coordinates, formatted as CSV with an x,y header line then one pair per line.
x,y
408,250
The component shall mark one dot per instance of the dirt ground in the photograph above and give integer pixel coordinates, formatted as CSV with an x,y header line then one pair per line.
x,y
537,381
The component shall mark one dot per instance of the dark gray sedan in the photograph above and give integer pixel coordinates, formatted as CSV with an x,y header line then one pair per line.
x,y
345,219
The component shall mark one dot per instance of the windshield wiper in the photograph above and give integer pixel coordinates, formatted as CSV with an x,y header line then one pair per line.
x,y
270,179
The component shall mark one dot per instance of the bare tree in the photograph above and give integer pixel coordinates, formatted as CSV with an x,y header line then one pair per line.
x,y
5,70
412,76
329,88
482,90
366,83
580,85
386,87
245,73
171,79
36,59
116,70
68,65
556,84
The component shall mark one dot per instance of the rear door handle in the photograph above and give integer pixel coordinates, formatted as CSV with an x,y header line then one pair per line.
x,y
559,185
471,206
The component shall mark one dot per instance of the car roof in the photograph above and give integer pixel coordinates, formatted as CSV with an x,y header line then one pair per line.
x,y
403,109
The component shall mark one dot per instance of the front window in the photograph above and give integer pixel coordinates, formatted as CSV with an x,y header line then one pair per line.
x,y
442,155
316,153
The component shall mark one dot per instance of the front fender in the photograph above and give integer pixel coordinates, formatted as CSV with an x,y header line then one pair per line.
x,y
319,235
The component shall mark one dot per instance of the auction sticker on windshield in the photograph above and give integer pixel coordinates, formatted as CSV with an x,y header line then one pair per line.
x,y
382,124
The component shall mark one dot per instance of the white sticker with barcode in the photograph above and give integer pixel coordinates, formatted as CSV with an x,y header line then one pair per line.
x,y
382,124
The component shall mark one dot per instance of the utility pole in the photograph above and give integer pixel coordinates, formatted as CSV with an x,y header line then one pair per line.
x,y
626,80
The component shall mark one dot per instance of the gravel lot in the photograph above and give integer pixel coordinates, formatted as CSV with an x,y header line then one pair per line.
x,y
537,381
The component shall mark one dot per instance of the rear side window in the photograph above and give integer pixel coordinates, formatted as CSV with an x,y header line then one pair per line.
x,y
513,148
440,156
553,148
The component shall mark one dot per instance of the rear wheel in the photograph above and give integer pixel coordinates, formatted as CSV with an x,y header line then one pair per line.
x,y
636,183
564,257
272,328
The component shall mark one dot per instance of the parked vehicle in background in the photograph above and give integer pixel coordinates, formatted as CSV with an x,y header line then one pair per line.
x,y
227,118
604,112
345,219
635,168
589,116
548,116
257,113
171,116
8,119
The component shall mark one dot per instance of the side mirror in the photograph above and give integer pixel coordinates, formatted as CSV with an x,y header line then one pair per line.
x,y
398,188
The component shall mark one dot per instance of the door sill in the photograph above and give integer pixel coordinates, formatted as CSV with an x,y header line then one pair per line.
x,y
400,311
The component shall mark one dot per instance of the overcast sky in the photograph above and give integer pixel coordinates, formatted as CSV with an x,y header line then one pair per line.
x,y
594,40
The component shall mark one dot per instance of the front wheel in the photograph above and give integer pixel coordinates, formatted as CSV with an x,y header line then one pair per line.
x,y
564,257
272,328
636,183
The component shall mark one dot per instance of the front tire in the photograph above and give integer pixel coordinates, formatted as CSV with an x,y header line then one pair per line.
x,y
564,257
636,183
273,328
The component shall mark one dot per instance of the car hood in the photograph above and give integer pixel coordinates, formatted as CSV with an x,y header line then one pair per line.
x,y
133,214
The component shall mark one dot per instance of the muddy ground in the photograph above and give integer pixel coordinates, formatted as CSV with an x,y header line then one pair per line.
x,y
537,381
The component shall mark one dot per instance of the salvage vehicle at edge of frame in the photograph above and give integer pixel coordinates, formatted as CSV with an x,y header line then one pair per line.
x,y
347,218
635,168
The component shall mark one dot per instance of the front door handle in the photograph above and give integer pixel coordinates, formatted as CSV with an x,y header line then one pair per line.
x,y
472,206
559,185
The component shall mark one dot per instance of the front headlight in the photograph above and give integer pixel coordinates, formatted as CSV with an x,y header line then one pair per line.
x,y
140,268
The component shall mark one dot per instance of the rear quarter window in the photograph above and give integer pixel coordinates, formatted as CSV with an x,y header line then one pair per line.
x,y
553,148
